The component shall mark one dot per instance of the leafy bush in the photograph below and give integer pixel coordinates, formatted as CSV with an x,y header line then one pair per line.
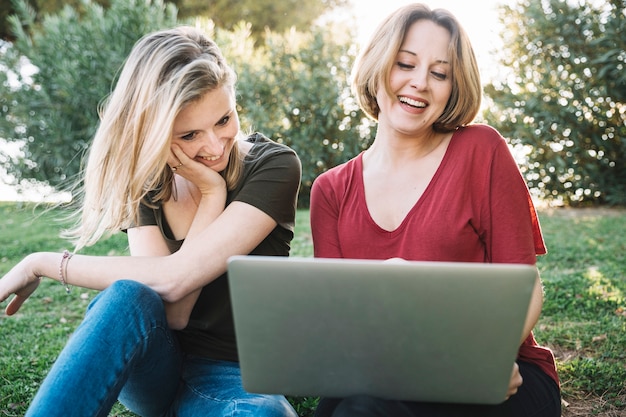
x,y
295,88
563,97
76,57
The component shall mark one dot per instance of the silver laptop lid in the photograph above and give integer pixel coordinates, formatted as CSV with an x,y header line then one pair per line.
x,y
418,331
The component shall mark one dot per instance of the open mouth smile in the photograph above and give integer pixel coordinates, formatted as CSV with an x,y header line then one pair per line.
x,y
210,158
411,102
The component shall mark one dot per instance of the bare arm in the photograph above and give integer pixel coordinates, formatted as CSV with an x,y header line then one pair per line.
x,y
210,241
201,260
149,241
534,309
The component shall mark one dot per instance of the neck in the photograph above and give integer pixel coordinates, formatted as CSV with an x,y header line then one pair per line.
x,y
396,148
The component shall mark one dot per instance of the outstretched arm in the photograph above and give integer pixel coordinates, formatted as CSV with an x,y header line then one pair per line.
x,y
202,258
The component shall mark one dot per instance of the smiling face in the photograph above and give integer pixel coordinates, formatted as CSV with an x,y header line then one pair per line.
x,y
420,80
206,129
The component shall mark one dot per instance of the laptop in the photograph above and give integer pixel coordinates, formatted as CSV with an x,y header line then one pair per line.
x,y
404,330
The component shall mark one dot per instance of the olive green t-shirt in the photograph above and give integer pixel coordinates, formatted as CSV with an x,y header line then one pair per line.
x,y
270,183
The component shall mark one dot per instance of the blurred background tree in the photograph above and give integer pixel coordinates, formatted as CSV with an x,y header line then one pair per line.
x,y
295,88
41,8
277,16
293,85
563,99
58,71
261,14
559,100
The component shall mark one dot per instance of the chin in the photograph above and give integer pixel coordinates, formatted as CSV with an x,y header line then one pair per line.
x,y
220,166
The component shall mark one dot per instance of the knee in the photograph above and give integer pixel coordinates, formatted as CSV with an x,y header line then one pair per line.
x,y
264,406
127,288
127,294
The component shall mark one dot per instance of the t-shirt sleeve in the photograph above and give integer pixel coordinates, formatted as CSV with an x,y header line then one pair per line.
x,y
324,216
272,185
514,234
146,217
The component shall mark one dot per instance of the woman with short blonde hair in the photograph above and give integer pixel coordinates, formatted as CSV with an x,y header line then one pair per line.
x,y
433,186
374,64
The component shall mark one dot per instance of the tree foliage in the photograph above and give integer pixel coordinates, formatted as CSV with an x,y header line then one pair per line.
x,y
40,7
295,88
261,14
565,97
276,16
75,58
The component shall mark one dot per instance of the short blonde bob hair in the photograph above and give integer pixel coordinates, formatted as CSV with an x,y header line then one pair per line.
x,y
165,71
374,64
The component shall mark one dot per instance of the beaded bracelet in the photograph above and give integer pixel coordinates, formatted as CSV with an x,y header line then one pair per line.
x,y
63,269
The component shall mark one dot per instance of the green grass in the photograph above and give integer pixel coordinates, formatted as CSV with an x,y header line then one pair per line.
x,y
584,314
583,321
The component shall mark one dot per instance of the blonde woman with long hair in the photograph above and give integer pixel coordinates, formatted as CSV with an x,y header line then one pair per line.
x,y
170,166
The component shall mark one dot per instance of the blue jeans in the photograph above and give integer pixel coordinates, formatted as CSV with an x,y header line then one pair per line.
x,y
124,348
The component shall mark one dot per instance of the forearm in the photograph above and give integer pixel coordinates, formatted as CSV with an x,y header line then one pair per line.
x,y
98,272
534,309
151,265
209,209
236,232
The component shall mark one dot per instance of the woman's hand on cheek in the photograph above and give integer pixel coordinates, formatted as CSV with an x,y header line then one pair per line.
x,y
206,179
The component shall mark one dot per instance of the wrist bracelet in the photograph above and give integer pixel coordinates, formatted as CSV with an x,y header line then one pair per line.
x,y
63,269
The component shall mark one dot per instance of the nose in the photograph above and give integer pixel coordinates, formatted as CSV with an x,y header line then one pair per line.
x,y
419,79
211,145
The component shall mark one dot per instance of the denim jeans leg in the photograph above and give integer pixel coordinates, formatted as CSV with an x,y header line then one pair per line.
x,y
124,331
213,388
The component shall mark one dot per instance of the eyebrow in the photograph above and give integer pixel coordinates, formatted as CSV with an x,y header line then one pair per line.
x,y
439,61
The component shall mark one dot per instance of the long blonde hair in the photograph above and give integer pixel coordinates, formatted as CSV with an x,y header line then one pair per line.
x,y
164,72
373,66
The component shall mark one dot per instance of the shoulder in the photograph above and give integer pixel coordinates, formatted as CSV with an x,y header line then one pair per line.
x,y
262,145
337,182
479,148
268,153
341,173
479,142
479,134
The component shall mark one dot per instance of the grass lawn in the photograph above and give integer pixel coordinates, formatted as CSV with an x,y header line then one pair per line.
x,y
583,321
584,314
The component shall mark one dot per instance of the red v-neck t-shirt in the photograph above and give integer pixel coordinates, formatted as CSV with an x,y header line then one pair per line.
x,y
476,208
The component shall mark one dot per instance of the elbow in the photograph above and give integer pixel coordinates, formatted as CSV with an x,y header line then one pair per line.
x,y
177,323
178,315
170,295
173,291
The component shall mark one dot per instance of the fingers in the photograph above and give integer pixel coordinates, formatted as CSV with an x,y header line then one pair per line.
x,y
22,292
14,305
515,382
177,158
206,179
